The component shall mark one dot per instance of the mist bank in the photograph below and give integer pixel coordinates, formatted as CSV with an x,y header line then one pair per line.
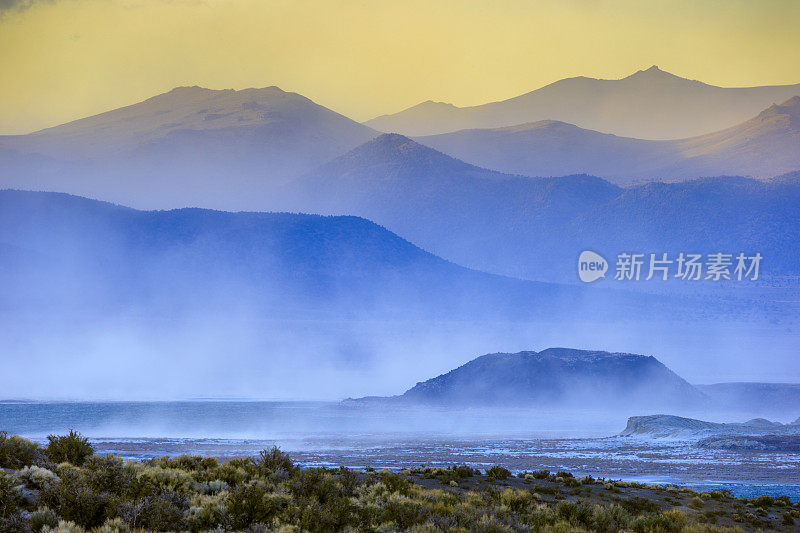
x,y
107,302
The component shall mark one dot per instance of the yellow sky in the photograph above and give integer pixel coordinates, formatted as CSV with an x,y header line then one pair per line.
x,y
64,59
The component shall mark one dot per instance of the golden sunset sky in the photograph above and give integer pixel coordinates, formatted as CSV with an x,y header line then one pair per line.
x,y
65,59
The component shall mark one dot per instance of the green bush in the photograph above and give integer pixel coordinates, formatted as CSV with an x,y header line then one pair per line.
x,y
71,448
270,461
9,497
765,502
668,522
74,500
251,503
16,452
108,473
498,473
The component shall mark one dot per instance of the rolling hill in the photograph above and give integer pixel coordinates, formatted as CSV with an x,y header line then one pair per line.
x,y
559,377
649,104
89,255
764,146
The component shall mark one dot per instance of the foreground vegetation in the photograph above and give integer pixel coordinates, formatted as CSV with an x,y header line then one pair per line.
x,y
66,488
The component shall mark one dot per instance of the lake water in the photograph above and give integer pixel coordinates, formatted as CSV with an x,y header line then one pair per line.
x,y
331,434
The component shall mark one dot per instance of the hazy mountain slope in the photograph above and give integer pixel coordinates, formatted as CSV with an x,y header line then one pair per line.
x,y
93,255
443,204
557,376
192,110
764,146
552,148
536,228
706,215
190,146
649,104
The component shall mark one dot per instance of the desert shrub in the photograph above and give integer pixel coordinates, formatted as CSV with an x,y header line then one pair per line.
x,y
65,526
186,462
516,500
214,486
333,514
463,471
154,477
251,503
9,498
567,511
108,473
541,474
71,448
231,473
497,473
16,452
395,483
37,477
207,513
348,480
269,461
570,482
74,500
696,502
162,509
405,513
720,494
765,502
608,519
553,491
43,517
668,522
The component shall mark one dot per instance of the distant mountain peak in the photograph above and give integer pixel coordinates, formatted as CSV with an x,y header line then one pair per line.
x,y
392,143
656,74
790,108
793,101
390,139
434,103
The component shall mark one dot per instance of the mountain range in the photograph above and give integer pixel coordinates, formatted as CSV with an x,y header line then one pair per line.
x,y
238,150
536,228
649,104
764,146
